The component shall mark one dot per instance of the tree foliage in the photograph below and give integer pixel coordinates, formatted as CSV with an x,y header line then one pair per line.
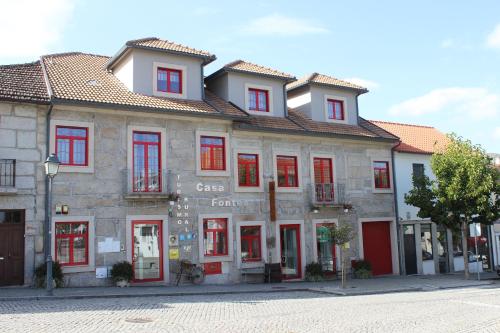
x,y
466,188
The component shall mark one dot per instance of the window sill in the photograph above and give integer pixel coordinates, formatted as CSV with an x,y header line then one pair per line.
x,y
146,196
289,189
209,259
8,190
213,173
382,190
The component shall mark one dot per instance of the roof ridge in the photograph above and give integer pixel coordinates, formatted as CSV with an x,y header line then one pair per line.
x,y
239,61
62,54
21,64
145,39
234,62
396,123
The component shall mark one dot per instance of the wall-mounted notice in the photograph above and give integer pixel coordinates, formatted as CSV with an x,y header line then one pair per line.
x,y
108,245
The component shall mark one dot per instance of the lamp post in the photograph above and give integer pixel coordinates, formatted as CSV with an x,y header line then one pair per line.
x,y
51,168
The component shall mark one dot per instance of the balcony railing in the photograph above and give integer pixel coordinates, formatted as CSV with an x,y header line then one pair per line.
x,y
145,184
329,194
7,173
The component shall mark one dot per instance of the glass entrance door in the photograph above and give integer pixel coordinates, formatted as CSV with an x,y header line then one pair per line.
x,y
290,251
147,257
325,248
442,238
410,249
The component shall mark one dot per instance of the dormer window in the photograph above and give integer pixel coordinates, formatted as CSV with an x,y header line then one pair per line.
x,y
335,109
258,100
169,80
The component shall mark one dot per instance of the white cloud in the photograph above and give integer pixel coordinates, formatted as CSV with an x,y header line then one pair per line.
x,y
469,103
493,39
281,25
447,43
29,28
363,82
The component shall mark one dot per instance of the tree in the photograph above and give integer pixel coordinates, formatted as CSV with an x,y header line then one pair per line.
x,y
341,235
466,189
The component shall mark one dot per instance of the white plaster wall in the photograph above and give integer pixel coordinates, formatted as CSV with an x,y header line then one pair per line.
x,y
124,71
318,111
404,183
237,91
143,74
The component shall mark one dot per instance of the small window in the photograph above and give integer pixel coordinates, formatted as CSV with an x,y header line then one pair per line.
x,y
169,80
335,109
72,145
418,170
215,237
258,100
381,174
72,243
213,153
250,243
146,163
287,171
248,170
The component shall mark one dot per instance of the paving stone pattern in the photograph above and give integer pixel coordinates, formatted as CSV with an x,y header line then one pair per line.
x,y
460,310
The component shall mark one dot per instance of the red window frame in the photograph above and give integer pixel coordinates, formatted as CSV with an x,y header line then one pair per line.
x,y
331,106
214,232
212,160
168,85
283,163
146,145
245,165
249,240
323,163
71,237
253,91
379,172
72,139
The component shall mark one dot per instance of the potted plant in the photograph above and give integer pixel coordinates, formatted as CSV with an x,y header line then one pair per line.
x,y
314,272
362,269
122,273
41,273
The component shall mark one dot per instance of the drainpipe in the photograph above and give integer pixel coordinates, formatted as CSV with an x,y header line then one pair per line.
x,y
285,100
46,240
396,209
202,83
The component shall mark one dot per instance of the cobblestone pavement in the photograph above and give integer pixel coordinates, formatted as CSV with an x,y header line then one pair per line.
x,y
459,310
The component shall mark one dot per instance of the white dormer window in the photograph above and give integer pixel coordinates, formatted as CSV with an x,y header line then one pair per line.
x,y
335,109
259,99
169,80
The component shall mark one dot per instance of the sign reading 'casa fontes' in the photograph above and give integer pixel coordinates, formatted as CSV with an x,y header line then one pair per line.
x,y
200,187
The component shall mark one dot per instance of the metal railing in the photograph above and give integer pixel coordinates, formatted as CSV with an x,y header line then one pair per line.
x,y
328,194
7,173
148,183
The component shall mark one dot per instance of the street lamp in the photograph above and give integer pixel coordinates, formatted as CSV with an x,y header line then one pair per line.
x,y
51,168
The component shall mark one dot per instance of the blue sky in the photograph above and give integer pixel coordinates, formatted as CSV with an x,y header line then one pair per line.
x,y
426,62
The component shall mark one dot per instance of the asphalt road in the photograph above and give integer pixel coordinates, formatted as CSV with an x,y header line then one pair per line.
x,y
457,310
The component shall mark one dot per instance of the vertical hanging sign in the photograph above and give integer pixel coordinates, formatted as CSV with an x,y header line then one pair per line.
x,y
272,201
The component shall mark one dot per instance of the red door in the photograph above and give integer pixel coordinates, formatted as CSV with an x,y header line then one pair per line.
x,y
11,247
377,246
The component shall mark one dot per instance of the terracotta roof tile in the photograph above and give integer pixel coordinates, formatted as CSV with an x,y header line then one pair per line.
x,y
269,122
331,128
166,45
23,83
316,78
415,138
84,77
222,105
249,68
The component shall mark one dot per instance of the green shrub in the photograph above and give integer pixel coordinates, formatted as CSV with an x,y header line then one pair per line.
x,y
362,269
41,273
122,271
314,272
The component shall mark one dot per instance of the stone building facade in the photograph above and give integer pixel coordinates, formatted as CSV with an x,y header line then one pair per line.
x,y
222,149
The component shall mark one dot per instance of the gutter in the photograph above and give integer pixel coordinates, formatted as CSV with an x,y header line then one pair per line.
x,y
47,208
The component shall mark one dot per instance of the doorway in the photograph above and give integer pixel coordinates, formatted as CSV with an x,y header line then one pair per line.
x,y
147,247
11,247
291,261
410,249
377,246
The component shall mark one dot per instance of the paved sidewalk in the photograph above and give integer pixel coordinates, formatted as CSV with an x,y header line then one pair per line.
x,y
380,285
